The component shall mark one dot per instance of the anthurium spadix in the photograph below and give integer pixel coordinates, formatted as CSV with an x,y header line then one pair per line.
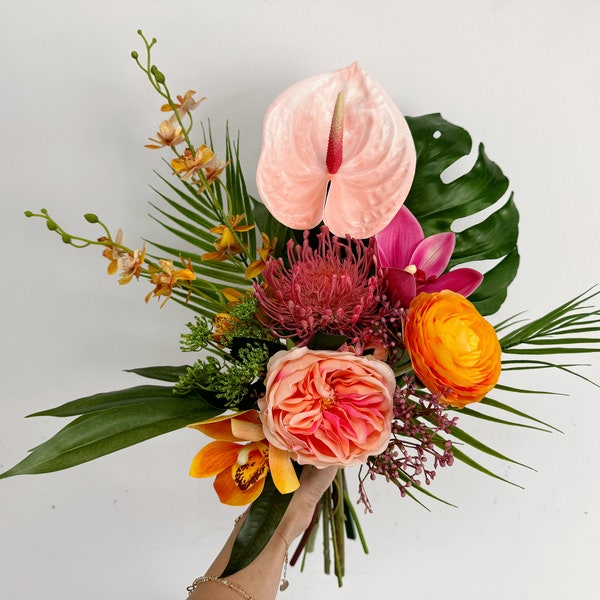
x,y
335,149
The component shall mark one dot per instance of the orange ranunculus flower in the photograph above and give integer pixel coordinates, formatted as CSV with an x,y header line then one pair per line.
x,y
240,468
454,351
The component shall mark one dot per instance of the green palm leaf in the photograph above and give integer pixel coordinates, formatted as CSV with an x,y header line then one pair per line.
x,y
190,220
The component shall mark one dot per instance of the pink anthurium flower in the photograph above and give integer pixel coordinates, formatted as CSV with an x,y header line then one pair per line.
x,y
415,264
335,149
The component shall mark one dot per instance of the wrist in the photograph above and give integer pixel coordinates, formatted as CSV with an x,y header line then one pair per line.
x,y
296,519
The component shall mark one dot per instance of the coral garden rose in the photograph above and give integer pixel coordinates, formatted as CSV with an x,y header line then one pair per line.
x,y
454,351
327,407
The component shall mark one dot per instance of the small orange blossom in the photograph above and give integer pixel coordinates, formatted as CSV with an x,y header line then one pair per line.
x,y
131,265
202,160
186,104
227,244
113,252
167,277
255,268
168,135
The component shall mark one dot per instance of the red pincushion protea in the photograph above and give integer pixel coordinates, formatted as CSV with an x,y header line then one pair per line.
x,y
334,288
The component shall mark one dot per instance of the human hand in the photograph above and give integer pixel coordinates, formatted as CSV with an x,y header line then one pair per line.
x,y
298,516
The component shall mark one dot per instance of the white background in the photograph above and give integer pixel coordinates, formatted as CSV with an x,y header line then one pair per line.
x,y
524,77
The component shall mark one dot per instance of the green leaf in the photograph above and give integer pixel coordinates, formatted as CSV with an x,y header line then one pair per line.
x,y
200,203
187,231
571,314
514,390
438,205
107,400
192,217
509,409
326,341
241,201
491,294
268,224
164,373
483,417
524,364
417,487
464,437
110,422
258,528
467,460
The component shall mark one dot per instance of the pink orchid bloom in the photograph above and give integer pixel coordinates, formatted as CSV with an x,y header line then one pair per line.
x,y
415,264
335,149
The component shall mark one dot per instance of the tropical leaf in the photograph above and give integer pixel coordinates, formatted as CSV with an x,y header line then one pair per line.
x,y
268,224
466,438
467,460
162,373
109,422
240,201
438,205
140,394
190,219
420,489
477,414
563,330
530,364
513,411
258,528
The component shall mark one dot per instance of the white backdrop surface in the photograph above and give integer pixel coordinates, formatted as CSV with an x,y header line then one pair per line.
x,y
523,77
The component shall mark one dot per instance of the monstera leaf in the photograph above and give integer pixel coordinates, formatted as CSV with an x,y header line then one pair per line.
x,y
438,205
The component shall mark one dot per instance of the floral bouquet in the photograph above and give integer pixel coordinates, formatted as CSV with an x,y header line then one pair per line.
x,y
339,319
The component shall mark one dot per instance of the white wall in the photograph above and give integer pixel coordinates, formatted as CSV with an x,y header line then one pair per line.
x,y
524,77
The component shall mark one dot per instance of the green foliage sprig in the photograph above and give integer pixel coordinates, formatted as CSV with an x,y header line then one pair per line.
x,y
231,380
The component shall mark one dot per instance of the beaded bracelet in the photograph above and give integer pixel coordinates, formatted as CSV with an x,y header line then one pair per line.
x,y
224,582
232,586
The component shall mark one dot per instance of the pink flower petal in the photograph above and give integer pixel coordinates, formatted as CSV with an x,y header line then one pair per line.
x,y
398,240
433,254
378,164
462,281
401,285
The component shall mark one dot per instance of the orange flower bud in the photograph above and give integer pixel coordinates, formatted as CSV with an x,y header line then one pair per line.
x,y
454,351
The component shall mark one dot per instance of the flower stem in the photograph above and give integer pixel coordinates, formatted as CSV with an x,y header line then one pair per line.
x,y
354,516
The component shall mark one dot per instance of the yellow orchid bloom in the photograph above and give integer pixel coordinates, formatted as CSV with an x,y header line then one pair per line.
x,y
114,253
227,244
255,268
131,265
167,277
240,468
232,295
186,104
168,135
189,163
203,159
